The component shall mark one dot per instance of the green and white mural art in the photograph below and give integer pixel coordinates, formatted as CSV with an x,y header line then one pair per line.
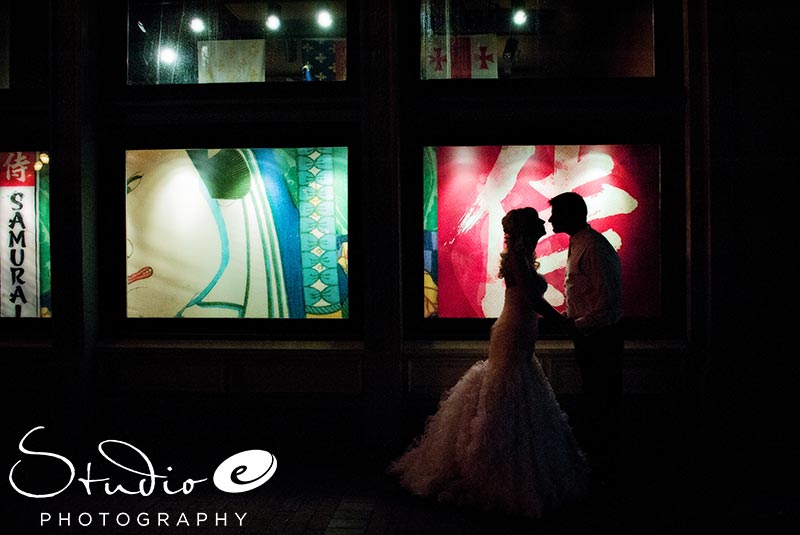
x,y
241,233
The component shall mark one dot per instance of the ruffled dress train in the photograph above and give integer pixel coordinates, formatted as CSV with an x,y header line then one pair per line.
x,y
499,440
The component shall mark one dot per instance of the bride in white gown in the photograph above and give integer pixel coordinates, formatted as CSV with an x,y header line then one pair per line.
x,y
499,440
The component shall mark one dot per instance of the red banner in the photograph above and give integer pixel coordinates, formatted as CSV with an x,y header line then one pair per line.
x,y
16,169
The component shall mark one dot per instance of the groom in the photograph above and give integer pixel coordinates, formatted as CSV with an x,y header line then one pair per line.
x,y
593,287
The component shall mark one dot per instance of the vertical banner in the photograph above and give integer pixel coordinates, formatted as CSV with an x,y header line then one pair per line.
x,y
19,264
435,57
482,56
340,64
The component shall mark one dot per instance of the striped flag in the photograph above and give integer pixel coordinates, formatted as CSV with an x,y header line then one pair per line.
x,y
461,56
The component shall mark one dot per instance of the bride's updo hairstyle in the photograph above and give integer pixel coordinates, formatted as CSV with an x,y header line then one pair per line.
x,y
520,226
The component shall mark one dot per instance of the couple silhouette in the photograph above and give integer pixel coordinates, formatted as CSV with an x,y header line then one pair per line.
x,y
499,440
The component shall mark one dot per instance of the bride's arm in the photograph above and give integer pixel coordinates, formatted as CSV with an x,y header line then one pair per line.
x,y
522,273
546,310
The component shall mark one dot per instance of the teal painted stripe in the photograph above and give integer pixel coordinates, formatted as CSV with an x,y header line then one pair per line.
x,y
224,256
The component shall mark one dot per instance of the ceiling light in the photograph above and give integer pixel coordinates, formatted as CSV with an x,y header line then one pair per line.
x,y
273,22
324,18
197,25
167,55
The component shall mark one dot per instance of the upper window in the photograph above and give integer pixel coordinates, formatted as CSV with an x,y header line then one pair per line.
x,y
536,39
211,41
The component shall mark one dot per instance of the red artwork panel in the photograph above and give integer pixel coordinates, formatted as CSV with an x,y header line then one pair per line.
x,y
477,185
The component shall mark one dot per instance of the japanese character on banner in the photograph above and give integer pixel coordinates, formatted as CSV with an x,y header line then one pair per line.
x,y
17,169
477,186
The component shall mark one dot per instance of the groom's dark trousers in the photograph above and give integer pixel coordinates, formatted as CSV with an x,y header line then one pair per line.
x,y
599,356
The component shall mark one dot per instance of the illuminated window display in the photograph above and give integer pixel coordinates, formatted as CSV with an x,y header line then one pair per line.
x,y
536,39
25,246
200,42
237,233
468,189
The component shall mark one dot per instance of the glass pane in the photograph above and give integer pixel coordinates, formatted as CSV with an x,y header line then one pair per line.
x,y
211,41
468,190
23,44
25,245
536,39
237,233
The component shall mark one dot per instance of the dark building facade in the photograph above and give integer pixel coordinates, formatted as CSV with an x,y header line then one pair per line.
x,y
711,369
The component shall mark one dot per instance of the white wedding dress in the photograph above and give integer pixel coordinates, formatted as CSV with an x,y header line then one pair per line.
x,y
499,440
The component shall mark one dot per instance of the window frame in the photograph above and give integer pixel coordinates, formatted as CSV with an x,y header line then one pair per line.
x,y
226,115
667,57
667,134
114,38
28,108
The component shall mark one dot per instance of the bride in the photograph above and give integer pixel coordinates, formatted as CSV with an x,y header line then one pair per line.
x,y
499,440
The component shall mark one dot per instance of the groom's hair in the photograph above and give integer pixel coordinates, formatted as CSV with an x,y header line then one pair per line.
x,y
571,205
